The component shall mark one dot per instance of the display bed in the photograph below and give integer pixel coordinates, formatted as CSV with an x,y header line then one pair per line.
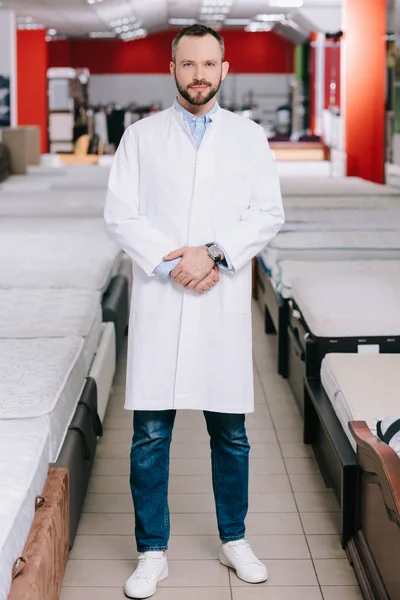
x,y
334,186
275,290
78,451
341,409
342,202
24,459
336,219
339,315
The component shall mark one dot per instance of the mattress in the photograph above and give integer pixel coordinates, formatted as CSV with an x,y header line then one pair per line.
x,y
340,219
42,378
103,368
51,314
286,271
28,207
56,253
24,461
332,245
334,186
366,306
345,202
361,387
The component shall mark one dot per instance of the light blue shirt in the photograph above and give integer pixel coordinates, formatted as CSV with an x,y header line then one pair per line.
x,y
198,127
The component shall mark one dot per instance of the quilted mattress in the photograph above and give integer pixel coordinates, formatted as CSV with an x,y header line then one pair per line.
x,y
24,461
332,245
43,378
341,220
81,206
51,314
362,387
286,271
56,253
343,307
334,186
345,202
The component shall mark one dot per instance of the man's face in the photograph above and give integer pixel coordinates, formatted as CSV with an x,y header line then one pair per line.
x,y
198,69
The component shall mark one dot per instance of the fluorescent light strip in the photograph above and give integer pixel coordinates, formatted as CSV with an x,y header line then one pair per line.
x,y
177,21
270,18
286,3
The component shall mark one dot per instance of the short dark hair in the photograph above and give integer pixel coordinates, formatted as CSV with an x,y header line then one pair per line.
x,y
197,31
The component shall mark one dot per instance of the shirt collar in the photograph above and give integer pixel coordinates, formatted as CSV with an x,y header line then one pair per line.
x,y
188,115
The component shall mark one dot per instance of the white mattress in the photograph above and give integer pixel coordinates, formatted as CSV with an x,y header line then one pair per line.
x,y
332,245
56,253
42,378
342,220
51,314
286,271
331,186
344,307
28,207
345,202
103,368
24,461
362,387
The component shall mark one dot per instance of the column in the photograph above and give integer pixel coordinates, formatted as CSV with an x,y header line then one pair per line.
x,y
364,68
32,64
8,78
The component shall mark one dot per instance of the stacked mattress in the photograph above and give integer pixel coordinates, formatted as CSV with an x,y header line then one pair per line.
x,y
361,387
57,356
334,186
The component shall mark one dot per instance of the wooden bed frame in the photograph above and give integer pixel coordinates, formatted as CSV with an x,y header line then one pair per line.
x,y
374,548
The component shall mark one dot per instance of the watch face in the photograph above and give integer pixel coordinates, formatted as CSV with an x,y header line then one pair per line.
x,y
214,251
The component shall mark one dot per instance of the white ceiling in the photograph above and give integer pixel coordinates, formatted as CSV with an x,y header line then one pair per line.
x,y
78,18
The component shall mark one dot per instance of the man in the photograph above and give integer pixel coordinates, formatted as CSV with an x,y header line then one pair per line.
x,y
193,196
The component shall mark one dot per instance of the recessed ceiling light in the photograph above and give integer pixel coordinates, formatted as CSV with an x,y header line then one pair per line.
x,y
270,18
259,27
52,32
178,21
238,22
101,34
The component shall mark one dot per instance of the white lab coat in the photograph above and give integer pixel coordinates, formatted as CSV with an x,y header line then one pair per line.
x,y
190,351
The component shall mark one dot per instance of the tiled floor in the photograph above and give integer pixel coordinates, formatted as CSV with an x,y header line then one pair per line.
x,y
292,522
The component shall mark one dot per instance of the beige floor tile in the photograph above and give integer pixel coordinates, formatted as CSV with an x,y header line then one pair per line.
x,y
202,450
335,572
267,466
108,503
308,483
190,466
276,593
117,450
106,484
271,502
74,593
106,524
295,450
320,523
198,435
287,421
111,466
196,573
266,449
290,435
283,547
204,503
341,593
301,466
285,573
325,546
260,435
104,547
256,523
190,484
121,422
186,547
99,573
284,410
266,484
317,502
114,436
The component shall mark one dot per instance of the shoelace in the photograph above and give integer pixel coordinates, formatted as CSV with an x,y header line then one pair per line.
x,y
146,566
244,553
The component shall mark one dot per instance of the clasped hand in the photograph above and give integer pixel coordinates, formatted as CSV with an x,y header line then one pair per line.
x,y
196,270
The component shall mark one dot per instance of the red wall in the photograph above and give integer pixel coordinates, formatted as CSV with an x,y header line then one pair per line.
x,y
332,55
32,61
365,50
246,52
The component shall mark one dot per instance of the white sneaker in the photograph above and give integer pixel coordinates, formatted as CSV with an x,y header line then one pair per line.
x,y
240,557
152,568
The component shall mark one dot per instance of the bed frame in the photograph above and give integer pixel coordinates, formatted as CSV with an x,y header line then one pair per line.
x,y
306,351
334,454
374,548
276,314
115,305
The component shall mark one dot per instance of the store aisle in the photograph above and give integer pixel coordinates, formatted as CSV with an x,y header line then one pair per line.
x,y
292,522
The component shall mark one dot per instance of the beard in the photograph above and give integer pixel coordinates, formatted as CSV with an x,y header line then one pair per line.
x,y
199,99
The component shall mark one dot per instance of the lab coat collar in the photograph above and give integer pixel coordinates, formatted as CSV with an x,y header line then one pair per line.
x,y
214,114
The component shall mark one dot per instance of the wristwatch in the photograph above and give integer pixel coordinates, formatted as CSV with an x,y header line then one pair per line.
x,y
215,252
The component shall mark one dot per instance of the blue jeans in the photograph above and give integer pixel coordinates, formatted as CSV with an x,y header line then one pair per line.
x,y
150,473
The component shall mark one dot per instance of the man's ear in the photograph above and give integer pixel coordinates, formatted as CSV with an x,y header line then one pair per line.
x,y
225,69
172,68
